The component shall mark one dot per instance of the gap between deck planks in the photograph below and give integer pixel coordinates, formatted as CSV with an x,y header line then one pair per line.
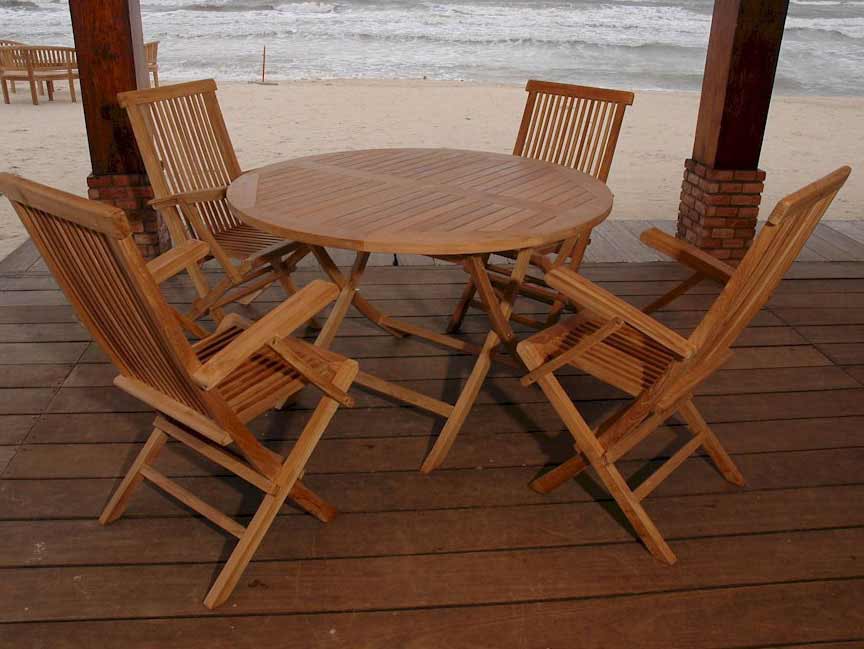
x,y
481,560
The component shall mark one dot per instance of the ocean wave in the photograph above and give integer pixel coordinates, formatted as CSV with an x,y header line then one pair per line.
x,y
249,6
229,7
832,35
829,3
18,4
454,38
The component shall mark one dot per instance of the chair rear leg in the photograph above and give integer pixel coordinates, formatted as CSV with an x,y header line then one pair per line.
x,y
117,505
560,474
312,503
711,444
5,87
461,307
577,254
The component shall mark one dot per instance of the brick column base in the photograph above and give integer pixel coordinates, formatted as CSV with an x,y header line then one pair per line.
x,y
131,192
718,209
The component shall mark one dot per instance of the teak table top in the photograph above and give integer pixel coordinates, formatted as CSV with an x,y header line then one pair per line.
x,y
423,201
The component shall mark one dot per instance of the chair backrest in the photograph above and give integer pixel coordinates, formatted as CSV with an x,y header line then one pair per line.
x,y
776,247
15,58
90,251
53,58
184,144
573,126
38,57
8,43
151,52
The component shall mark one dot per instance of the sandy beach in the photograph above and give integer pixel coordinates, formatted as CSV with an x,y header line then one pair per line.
x,y
806,136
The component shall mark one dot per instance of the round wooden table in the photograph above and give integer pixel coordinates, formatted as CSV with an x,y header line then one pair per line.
x,y
424,201
462,205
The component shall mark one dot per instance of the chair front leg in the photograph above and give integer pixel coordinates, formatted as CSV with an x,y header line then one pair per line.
x,y
72,87
286,480
34,97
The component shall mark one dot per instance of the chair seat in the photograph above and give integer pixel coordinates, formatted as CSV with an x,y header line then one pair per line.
x,y
627,359
60,74
243,241
265,379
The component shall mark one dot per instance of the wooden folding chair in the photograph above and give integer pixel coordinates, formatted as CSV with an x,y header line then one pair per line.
x,y
568,125
204,393
190,162
628,349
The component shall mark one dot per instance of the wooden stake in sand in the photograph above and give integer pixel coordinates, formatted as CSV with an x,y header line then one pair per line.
x,y
264,81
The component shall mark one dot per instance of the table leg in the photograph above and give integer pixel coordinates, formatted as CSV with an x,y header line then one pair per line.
x,y
499,314
348,289
348,295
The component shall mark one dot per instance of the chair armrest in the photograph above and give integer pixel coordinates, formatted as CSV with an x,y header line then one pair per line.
x,y
198,196
280,322
177,259
600,301
687,254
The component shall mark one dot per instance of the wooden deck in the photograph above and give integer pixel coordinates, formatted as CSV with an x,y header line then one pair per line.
x,y
469,556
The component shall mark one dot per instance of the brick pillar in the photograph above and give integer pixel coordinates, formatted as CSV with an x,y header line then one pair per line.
x,y
718,209
131,192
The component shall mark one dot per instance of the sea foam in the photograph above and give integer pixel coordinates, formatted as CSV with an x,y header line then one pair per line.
x,y
627,43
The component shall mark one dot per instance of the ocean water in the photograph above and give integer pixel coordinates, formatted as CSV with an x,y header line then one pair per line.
x,y
646,44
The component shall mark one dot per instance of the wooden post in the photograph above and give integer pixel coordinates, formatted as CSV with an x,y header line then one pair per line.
x,y
110,48
722,182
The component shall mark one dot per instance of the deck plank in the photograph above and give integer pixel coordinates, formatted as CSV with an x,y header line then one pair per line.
x,y
393,582
406,490
702,619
